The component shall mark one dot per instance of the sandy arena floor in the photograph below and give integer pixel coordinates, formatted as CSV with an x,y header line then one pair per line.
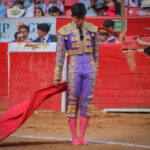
x,y
109,131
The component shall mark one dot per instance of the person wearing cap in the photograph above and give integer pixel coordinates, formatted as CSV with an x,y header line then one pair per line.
x,y
114,37
97,8
81,41
44,36
110,24
101,8
104,34
91,8
15,12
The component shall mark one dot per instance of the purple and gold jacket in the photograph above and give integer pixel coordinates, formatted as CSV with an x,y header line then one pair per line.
x,y
69,40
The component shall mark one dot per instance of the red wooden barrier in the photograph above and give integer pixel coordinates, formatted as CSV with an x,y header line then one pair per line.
x,y
3,75
30,71
136,79
108,86
123,78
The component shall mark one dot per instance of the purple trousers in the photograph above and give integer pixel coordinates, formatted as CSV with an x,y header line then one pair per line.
x,y
81,82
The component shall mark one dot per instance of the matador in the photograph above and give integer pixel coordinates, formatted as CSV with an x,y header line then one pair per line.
x,y
80,40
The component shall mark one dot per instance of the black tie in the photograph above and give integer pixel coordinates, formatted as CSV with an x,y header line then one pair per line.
x,y
81,34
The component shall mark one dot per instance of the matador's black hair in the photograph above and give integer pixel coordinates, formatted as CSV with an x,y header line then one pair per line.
x,y
78,10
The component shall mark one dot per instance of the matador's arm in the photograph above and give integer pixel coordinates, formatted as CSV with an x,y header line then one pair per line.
x,y
60,56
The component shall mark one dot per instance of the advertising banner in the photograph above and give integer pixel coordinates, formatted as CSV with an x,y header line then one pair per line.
x,y
9,26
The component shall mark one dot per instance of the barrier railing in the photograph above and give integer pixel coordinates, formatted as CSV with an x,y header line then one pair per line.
x,y
122,82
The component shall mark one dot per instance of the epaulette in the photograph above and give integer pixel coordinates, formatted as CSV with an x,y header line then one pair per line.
x,y
65,30
91,27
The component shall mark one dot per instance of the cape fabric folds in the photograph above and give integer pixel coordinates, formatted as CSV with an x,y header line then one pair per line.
x,y
14,117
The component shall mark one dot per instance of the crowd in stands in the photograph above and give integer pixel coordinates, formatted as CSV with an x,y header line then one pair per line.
x,y
54,8
39,8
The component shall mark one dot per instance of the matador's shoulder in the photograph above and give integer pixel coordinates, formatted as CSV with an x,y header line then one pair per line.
x,y
91,27
65,30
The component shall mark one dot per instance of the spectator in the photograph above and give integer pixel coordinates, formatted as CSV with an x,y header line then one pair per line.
x,y
146,8
110,24
104,34
100,8
114,7
132,3
25,30
39,12
8,3
139,3
54,11
86,3
91,8
19,37
39,4
2,10
113,37
29,6
20,3
44,37
51,3
15,11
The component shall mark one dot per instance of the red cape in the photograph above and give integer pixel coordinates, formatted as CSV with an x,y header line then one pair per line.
x,y
14,117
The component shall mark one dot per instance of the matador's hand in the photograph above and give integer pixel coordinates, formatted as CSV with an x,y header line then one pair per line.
x,y
55,82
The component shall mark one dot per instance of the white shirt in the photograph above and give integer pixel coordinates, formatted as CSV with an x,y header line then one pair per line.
x,y
45,39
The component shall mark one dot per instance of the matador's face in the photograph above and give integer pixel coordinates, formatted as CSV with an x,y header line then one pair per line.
x,y
78,20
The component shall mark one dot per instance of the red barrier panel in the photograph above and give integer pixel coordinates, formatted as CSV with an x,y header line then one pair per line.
x,y
108,86
123,77
136,62
3,75
30,71
136,79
